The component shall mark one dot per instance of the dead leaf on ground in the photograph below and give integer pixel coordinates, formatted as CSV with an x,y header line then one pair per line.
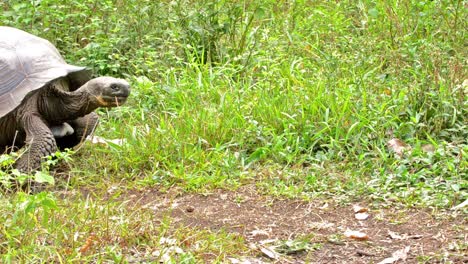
x,y
398,146
167,241
105,141
324,206
396,236
359,209
361,216
168,248
88,243
460,206
257,233
398,255
321,225
464,85
270,253
428,148
356,235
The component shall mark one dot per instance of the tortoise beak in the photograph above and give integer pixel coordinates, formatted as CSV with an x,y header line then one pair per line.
x,y
120,89
116,95
108,91
110,101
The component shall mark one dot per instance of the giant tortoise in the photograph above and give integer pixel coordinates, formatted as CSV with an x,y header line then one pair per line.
x,y
45,103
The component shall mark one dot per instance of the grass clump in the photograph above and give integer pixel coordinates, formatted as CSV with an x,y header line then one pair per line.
x,y
224,87
103,231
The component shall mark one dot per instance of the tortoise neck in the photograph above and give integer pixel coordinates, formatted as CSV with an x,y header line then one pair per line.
x,y
58,105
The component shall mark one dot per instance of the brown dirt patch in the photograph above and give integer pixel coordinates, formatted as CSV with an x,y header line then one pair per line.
x,y
432,238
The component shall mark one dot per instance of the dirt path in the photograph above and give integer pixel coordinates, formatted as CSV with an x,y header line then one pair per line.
x,y
264,222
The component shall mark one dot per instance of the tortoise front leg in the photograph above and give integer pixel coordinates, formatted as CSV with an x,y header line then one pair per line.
x,y
83,127
40,143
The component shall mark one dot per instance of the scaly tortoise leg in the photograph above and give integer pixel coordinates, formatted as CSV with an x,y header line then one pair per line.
x,y
40,142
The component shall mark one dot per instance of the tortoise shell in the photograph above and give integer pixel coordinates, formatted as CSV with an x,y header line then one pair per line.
x,y
28,63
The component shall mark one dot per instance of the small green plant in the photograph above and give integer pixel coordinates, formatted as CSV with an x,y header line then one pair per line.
x,y
291,247
11,178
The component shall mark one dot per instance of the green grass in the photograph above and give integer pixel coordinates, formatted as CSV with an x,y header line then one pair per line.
x,y
298,98
44,228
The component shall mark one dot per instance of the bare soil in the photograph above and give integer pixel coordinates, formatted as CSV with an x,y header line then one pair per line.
x,y
432,237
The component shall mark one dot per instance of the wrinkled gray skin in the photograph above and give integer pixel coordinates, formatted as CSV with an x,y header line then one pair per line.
x,y
55,108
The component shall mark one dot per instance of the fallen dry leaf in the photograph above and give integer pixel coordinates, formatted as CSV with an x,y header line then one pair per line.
x,y
104,141
321,225
394,235
324,206
257,232
460,206
177,250
359,209
167,241
428,148
464,85
398,146
88,243
401,254
357,235
361,216
235,261
270,253
164,255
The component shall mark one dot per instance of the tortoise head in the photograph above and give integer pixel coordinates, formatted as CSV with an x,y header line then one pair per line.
x,y
108,91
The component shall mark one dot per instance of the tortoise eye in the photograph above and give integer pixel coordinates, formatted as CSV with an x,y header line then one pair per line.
x,y
114,87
